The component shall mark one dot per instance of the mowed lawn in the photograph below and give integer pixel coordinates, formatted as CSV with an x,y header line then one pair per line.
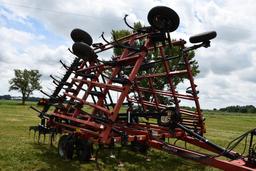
x,y
18,151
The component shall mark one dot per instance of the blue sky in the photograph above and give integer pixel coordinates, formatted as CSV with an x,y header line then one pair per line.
x,y
30,25
35,35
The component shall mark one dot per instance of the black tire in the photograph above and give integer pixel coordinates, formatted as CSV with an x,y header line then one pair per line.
x,y
79,35
139,146
84,51
203,37
163,18
84,150
66,147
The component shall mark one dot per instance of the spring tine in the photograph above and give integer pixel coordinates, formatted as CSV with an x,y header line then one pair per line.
x,y
29,133
96,158
54,78
44,138
50,138
39,135
54,136
125,20
56,83
34,135
37,110
64,65
57,77
70,51
44,93
119,152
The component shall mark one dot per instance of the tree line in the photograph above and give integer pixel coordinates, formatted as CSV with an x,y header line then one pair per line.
x,y
239,109
9,97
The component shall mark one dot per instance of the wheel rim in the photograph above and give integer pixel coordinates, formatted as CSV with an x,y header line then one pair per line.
x,y
165,119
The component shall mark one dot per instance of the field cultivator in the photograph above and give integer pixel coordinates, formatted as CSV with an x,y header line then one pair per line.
x,y
132,98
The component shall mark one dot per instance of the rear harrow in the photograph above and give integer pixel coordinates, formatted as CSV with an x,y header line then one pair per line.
x,y
86,113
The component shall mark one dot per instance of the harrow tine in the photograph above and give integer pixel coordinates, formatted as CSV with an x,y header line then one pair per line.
x,y
40,115
64,65
50,96
55,82
58,76
35,109
29,132
44,137
70,51
102,36
112,147
55,79
34,136
45,93
38,138
34,128
96,158
52,137
128,25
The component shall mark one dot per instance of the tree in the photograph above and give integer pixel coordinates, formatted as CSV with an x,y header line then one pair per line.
x,y
158,67
239,109
25,81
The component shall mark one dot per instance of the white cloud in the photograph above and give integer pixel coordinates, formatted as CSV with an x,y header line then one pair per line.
x,y
19,52
227,67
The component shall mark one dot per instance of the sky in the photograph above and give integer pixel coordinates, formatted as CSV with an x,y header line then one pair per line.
x,y
35,34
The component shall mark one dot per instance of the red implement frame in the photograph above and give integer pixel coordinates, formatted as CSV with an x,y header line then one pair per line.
x,y
90,111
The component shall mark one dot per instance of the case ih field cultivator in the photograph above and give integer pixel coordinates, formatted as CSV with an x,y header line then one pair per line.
x,y
85,112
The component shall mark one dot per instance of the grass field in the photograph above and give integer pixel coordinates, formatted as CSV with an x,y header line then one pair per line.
x,y
18,151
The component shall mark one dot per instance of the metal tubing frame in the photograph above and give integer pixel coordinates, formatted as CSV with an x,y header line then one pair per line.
x,y
235,165
152,134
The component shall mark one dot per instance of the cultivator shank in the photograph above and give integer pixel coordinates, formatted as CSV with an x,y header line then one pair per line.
x,y
131,98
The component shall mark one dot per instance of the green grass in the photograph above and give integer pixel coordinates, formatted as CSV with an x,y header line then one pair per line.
x,y
18,151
